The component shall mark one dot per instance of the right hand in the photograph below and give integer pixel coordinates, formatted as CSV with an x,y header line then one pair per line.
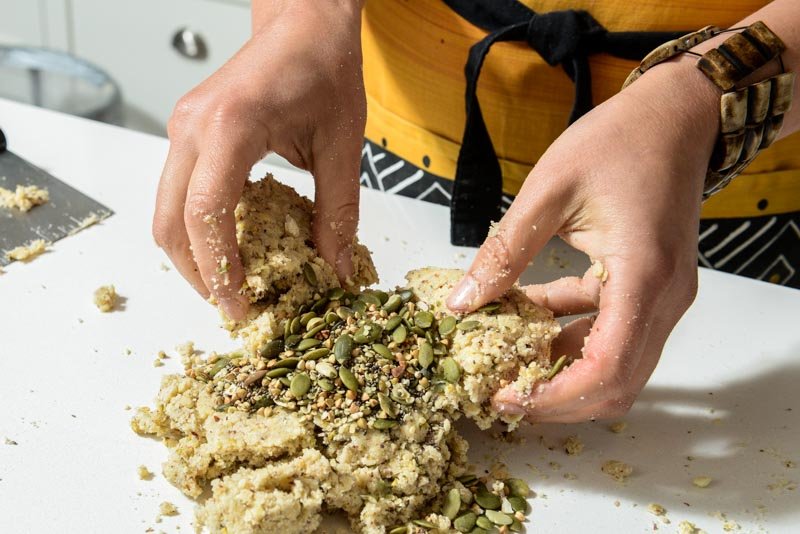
x,y
295,88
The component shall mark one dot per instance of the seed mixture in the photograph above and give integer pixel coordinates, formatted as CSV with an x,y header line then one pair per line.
x,y
344,398
24,198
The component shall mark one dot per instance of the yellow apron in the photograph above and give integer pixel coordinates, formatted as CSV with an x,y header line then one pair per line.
x,y
414,57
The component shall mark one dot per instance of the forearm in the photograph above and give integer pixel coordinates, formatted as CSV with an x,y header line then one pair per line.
x,y
264,11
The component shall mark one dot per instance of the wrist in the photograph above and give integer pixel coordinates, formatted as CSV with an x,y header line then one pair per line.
x,y
265,12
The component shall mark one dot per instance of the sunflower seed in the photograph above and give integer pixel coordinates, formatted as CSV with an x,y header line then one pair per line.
x,y
310,274
316,354
393,303
343,347
387,405
399,335
383,424
466,326
279,372
287,363
518,487
447,325
518,504
300,385
498,518
465,522
308,344
486,499
425,355
348,379
452,504
254,377
451,370
423,319
556,367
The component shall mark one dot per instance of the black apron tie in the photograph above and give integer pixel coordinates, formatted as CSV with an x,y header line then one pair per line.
x,y
565,38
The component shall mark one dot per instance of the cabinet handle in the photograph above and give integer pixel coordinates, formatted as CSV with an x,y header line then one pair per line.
x,y
189,44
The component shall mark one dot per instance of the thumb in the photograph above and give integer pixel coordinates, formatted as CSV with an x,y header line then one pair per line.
x,y
335,220
528,224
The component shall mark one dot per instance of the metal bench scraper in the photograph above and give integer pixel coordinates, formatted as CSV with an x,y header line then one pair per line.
x,y
67,212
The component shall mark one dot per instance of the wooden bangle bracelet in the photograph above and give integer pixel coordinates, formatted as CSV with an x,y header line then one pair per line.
x,y
750,117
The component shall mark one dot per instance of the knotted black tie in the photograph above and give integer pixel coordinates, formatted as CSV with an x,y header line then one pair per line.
x,y
563,38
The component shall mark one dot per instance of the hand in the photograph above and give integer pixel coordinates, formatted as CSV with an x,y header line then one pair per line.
x,y
295,88
623,184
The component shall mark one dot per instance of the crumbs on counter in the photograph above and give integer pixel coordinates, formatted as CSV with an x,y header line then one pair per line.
x,y
573,445
10,441
166,509
28,252
24,198
687,527
728,525
86,222
702,482
144,473
619,471
105,298
658,510
618,427
164,267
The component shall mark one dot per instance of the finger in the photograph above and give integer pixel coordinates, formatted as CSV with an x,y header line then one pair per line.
x,y
614,347
169,229
336,174
569,295
214,190
532,219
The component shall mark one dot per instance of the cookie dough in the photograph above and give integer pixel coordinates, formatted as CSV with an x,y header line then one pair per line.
x,y
105,298
24,198
29,251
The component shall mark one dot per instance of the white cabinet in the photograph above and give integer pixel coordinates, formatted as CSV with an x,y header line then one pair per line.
x,y
35,23
133,42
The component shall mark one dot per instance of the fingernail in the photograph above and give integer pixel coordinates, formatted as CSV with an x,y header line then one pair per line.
x,y
510,409
463,295
235,308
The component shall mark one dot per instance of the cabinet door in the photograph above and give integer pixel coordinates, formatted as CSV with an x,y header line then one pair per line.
x,y
133,42
20,23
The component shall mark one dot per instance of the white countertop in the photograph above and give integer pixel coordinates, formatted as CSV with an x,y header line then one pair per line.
x,y
726,392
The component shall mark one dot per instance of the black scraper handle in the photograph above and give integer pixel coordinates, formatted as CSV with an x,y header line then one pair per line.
x,y
2,141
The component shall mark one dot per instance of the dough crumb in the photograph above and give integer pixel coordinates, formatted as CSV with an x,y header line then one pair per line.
x,y
29,251
24,198
105,298
687,527
144,473
86,222
11,442
658,510
617,470
599,271
164,267
701,482
618,427
166,508
573,445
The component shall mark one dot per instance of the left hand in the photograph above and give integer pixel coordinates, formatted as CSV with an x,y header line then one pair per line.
x,y
623,184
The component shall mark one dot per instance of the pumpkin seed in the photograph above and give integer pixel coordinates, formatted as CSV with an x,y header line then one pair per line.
x,y
399,530
518,487
300,385
272,349
387,405
325,384
218,366
393,322
370,299
309,274
417,331
406,295
325,369
314,331
518,504
425,354
498,518
489,308
384,424
308,344
285,381
447,325
331,318
557,367
348,379
465,522
314,322
383,296
295,326
293,340
368,333
423,319
319,304
515,526
393,303
467,479
316,354
424,524
452,504
263,402
222,407
360,306
287,328
381,349
343,347
451,370
479,530
484,523
306,317
466,326
287,363
344,312
279,372
399,335
335,293
486,499
440,349
254,377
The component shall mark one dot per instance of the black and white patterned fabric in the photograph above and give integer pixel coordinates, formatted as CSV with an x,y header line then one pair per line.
x,y
766,248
